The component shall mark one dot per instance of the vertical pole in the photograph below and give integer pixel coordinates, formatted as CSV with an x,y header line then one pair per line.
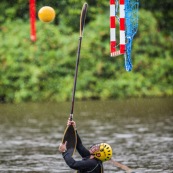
x,y
122,27
32,20
112,27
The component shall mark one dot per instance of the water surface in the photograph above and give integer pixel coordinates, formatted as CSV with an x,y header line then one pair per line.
x,y
140,132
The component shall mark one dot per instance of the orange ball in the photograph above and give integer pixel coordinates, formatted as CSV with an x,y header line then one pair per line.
x,y
46,14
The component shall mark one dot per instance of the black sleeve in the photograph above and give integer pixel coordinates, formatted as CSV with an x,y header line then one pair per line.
x,y
80,148
79,165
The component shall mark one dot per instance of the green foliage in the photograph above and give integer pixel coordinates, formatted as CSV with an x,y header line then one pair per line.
x,y
163,12
44,70
68,11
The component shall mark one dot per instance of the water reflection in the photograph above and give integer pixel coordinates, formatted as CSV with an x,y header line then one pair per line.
x,y
139,130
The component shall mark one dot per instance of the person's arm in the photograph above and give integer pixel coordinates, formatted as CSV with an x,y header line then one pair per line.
x,y
78,165
80,148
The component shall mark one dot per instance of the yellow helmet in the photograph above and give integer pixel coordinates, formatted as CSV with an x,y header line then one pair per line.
x,y
104,153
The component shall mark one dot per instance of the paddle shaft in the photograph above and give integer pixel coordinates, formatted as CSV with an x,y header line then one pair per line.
x,y
75,77
82,23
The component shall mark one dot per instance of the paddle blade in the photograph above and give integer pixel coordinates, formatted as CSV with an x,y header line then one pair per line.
x,y
121,166
82,18
71,138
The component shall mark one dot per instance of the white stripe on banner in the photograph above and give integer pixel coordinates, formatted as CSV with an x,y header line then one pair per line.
x,y
122,11
112,10
122,37
116,53
112,35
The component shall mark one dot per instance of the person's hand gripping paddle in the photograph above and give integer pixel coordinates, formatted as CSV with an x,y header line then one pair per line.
x,y
70,132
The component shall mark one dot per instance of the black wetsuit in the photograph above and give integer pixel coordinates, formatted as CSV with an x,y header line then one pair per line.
x,y
86,165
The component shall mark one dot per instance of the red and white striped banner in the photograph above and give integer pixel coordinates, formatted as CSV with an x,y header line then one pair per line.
x,y
113,41
122,27
112,27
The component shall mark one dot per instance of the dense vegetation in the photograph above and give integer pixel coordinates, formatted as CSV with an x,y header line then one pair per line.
x,y
44,70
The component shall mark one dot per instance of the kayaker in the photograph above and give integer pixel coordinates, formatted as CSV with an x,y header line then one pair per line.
x,y
91,159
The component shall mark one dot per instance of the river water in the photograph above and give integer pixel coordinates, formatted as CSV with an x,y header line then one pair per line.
x,y
140,132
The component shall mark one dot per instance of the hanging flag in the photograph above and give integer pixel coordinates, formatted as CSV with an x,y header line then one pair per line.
x,y
32,20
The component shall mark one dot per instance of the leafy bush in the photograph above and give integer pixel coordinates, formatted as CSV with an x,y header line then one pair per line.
x,y
44,70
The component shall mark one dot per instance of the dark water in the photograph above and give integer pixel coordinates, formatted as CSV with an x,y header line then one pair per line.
x,y
140,132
